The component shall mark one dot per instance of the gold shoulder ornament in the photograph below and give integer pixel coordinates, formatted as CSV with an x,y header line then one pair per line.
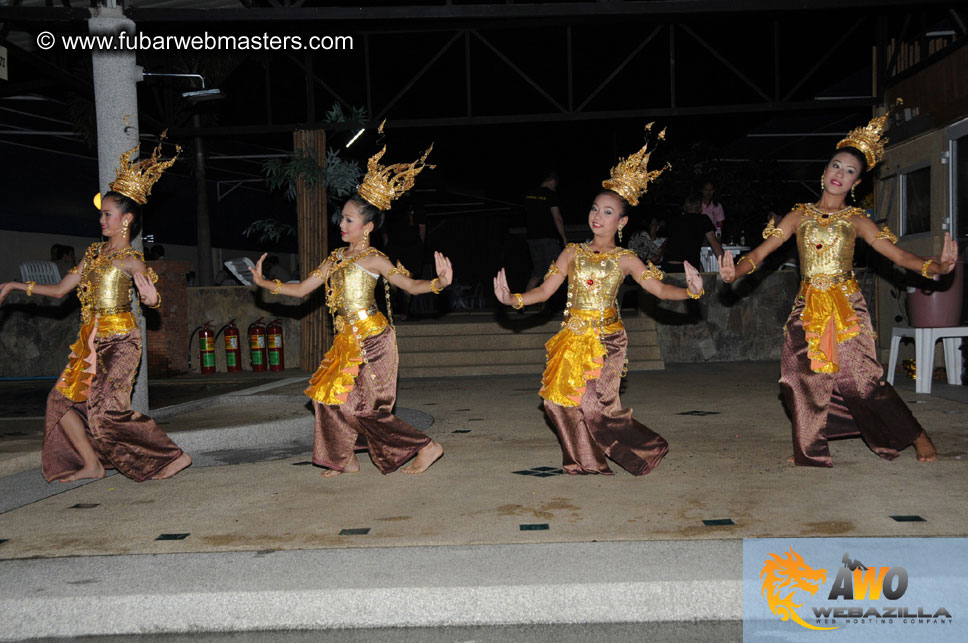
x,y
398,270
652,273
771,230
886,234
552,270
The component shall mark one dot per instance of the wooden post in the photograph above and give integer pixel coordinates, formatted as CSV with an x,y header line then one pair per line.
x,y
312,230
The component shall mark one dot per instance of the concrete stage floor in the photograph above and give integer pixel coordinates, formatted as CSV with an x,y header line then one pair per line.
x,y
497,495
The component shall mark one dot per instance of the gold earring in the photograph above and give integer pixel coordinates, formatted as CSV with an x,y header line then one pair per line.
x,y
620,234
853,197
366,237
124,226
822,186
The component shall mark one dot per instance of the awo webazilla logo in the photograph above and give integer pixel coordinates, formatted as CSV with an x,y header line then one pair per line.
x,y
787,579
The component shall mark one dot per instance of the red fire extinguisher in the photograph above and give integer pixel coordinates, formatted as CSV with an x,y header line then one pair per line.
x,y
206,348
257,345
233,351
277,359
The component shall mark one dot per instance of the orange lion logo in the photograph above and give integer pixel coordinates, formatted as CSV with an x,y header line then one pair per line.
x,y
783,577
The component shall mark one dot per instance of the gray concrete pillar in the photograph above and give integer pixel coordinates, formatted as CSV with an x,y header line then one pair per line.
x,y
116,101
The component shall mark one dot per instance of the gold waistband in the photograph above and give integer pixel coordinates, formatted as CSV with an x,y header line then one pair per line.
x,y
580,321
845,280
355,318
115,323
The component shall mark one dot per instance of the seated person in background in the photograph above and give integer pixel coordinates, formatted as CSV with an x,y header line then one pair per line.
x,y
686,234
647,243
272,270
64,257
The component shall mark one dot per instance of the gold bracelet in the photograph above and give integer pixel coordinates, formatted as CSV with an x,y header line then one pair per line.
x,y
520,299
157,303
752,263
924,267
30,288
435,286
278,286
693,295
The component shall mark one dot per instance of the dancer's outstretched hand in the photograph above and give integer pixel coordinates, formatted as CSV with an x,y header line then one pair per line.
x,y
445,271
727,268
146,289
257,271
949,255
501,290
693,280
5,290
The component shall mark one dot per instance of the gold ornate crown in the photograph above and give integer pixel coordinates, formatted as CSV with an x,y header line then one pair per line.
x,y
868,139
383,184
631,177
135,180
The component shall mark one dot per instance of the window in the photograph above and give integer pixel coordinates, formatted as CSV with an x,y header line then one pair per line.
x,y
916,200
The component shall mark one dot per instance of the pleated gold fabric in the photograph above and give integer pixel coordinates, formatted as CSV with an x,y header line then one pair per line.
x,y
852,401
575,355
367,412
336,376
599,428
122,438
828,320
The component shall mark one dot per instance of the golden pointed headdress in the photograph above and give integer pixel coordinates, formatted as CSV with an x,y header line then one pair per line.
x,y
382,184
135,180
868,139
631,177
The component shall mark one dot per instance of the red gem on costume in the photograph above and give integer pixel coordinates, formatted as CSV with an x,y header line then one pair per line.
x,y
819,246
590,282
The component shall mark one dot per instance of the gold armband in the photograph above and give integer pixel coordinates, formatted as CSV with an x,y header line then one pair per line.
x,y
886,234
771,231
552,270
652,273
752,263
318,272
435,286
398,270
924,267
30,288
73,271
520,302
693,295
157,303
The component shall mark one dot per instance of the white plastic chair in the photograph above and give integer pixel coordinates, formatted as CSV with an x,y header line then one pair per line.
x,y
41,272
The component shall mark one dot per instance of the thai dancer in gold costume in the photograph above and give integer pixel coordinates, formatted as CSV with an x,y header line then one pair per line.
x,y
89,423
354,389
831,379
586,359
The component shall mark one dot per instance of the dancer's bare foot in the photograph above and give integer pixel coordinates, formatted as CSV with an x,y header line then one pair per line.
x,y
92,472
353,466
425,457
924,448
181,462
791,460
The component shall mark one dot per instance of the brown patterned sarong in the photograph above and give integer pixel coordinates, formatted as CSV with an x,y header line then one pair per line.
x,y
123,439
599,427
367,412
855,401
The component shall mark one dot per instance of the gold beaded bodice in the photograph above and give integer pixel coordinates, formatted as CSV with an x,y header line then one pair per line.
x,y
826,241
349,288
594,278
105,289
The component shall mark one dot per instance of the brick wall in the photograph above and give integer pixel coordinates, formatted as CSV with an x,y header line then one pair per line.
x,y
167,341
